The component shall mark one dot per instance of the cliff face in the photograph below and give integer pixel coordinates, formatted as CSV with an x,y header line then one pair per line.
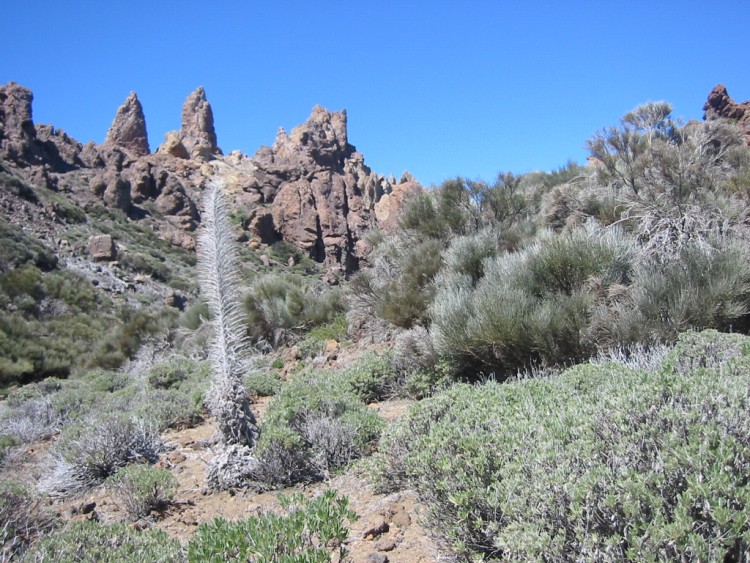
x,y
721,105
311,188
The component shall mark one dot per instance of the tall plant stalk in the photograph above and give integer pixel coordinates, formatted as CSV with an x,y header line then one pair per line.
x,y
219,282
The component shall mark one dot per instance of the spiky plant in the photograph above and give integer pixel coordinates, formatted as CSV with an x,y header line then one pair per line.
x,y
219,281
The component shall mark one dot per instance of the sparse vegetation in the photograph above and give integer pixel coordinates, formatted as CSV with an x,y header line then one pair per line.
x,y
142,489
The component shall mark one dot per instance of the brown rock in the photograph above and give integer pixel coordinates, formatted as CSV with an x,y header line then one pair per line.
x,y
15,112
197,133
721,105
128,130
102,248
173,146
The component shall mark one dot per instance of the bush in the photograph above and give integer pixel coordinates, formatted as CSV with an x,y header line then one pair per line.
x,y
142,489
600,463
22,520
262,383
532,306
372,377
91,542
309,531
89,452
282,305
313,427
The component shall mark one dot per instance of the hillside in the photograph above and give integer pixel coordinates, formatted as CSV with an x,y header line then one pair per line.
x,y
288,357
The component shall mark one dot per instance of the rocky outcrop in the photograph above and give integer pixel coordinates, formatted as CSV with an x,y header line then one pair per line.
x,y
197,137
311,188
128,130
321,194
721,105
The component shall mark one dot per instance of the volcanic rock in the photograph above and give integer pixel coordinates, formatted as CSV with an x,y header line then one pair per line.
x,y
128,130
197,138
721,105
102,247
197,133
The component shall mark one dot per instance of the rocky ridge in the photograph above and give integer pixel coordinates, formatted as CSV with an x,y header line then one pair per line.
x,y
311,188
721,105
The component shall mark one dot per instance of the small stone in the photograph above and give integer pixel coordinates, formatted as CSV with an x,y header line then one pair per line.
x,y
87,507
377,558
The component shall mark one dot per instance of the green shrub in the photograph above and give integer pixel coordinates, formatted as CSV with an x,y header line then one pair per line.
x,y
142,489
311,427
6,443
91,542
262,383
600,463
309,531
282,305
372,377
335,329
531,307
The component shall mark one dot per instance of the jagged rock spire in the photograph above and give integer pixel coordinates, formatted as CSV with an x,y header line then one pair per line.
x,y
128,130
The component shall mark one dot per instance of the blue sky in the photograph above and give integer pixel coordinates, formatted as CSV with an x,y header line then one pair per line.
x,y
438,88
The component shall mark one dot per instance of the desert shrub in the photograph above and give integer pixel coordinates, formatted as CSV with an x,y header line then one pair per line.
x,y
262,382
313,426
142,489
123,342
20,248
531,306
22,519
91,542
399,287
704,289
600,463
309,530
147,264
90,451
282,305
172,408
335,329
31,420
6,443
373,376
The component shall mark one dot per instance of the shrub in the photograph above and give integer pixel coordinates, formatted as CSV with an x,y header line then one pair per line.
x,y
262,383
308,531
372,376
89,452
532,306
91,542
312,427
142,489
600,463
22,520
31,420
280,305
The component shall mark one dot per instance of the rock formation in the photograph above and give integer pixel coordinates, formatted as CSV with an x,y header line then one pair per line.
x,y
321,193
311,188
719,105
197,138
128,130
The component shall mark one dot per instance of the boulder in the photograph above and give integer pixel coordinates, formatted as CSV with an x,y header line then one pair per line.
x,y
102,248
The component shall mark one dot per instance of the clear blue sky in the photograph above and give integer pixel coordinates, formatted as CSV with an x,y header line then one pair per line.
x,y
438,88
